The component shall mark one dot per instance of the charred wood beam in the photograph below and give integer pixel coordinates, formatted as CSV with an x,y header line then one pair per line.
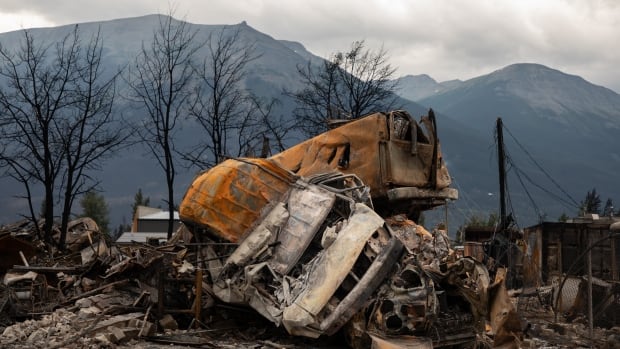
x,y
95,291
43,269
197,303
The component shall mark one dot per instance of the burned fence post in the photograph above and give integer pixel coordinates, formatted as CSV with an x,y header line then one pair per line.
x,y
197,302
161,278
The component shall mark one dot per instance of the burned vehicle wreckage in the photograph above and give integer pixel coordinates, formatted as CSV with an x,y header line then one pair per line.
x,y
322,238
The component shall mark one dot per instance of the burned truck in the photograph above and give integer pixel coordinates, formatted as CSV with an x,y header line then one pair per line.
x,y
320,238
399,159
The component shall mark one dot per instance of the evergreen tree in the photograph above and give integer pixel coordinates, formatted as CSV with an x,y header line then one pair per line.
x,y
608,210
591,204
563,217
476,221
139,200
493,219
95,207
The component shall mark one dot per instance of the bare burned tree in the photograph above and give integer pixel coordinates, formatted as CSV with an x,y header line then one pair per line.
x,y
268,132
34,94
161,81
221,105
316,101
349,85
89,132
56,124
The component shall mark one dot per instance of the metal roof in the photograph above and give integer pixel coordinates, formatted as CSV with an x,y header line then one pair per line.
x,y
129,236
163,215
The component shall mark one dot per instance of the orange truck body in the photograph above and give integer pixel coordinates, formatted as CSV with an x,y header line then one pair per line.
x,y
230,197
398,158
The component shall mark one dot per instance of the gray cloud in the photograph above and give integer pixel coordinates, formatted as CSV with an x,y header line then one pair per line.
x,y
442,38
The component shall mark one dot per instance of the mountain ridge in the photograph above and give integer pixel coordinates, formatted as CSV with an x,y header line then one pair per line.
x,y
567,123
555,126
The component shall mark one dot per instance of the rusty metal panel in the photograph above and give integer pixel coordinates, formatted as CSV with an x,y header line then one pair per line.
x,y
229,197
326,151
505,321
257,240
532,258
474,250
406,169
380,157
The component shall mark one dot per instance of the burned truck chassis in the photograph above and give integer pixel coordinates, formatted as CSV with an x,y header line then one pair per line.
x,y
314,255
295,282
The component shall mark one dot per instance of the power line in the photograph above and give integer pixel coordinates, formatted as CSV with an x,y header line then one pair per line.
x,y
466,197
536,209
541,168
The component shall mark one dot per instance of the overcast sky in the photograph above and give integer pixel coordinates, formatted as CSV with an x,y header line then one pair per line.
x,y
442,38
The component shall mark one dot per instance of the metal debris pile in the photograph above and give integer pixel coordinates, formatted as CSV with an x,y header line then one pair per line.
x,y
95,288
316,258
295,239
313,262
282,252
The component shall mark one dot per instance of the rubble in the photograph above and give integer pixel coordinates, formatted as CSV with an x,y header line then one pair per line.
x,y
316,254
286,252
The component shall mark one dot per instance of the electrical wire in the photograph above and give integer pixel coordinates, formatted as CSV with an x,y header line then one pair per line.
x,y
464,196
541,168
521,175
527,192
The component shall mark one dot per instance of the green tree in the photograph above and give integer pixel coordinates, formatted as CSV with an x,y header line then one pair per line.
x,y
493,219
480,221
608,209
95,207
591,203
476,221
563,217
139,200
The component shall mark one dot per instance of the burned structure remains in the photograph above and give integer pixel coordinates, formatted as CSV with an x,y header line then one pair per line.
x,y
324,237
318,240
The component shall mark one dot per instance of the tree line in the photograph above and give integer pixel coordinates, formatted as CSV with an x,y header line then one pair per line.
x,y
58,122
591,203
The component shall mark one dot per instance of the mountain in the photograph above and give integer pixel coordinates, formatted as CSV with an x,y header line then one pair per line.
x,y
275,69
130,169
566,124
417,87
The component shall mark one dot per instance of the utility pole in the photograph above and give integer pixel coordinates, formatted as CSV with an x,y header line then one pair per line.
x,y
503,221
590,315
501,159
